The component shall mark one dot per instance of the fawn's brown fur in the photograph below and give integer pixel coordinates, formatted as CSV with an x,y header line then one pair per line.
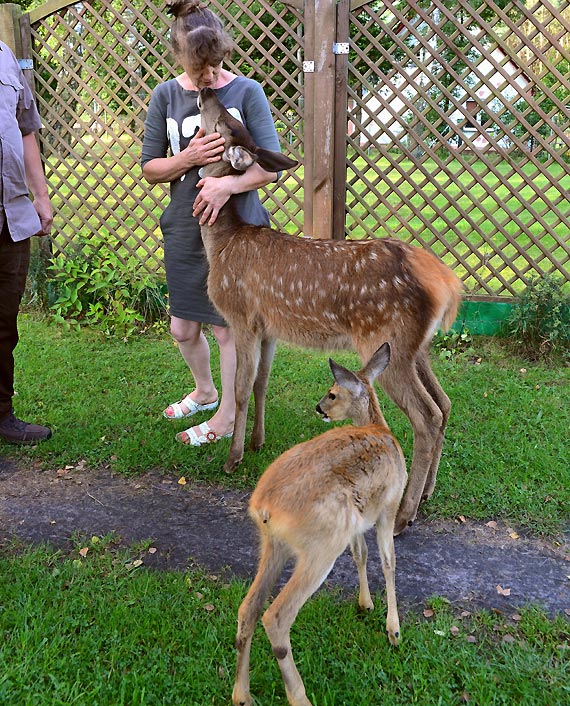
x,y
329,295
313,501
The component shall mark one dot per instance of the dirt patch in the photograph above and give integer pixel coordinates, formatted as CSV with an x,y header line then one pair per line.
x,y
189,524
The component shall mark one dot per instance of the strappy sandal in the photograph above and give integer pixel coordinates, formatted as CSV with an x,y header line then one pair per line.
x,y
206,436
192,406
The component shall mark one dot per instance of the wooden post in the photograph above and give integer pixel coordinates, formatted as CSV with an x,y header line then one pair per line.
x,y
340,125
324,117
10,14
326,27
308,115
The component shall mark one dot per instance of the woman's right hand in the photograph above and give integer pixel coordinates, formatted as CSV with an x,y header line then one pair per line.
x,y
204,149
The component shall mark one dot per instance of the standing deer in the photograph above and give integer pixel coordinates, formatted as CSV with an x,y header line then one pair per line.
x,y
329,295
312,502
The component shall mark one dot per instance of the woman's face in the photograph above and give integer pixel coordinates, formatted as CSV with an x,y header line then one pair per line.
x,y
205,76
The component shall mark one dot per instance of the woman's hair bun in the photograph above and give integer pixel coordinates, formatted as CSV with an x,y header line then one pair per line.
x,y
181,8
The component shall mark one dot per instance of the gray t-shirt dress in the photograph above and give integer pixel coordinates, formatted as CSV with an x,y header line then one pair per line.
x,y
171,121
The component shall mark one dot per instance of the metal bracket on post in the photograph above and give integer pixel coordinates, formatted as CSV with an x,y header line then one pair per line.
x,y
26,64
309,67
341,48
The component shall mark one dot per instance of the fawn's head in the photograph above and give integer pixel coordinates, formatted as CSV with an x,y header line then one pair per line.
x,y
240,151
352,394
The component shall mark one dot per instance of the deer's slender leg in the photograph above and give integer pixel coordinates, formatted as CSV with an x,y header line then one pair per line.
x,y
309,573
268,346
403,385
432,385
385,537
246,369
272,559
359,551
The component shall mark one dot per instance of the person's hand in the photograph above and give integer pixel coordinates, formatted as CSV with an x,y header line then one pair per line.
x,y
45,213
204,149
214,193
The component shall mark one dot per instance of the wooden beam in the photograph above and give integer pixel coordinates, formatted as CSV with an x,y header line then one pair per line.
x,y
10,14
340,126
324,112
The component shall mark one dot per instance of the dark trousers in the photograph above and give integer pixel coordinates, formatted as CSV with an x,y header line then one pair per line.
x,y
14,263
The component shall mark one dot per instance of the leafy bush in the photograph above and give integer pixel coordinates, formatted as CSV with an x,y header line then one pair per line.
x,y
94,286
540,320
453,343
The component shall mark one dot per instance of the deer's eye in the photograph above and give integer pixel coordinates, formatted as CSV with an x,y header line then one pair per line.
x,y
332,396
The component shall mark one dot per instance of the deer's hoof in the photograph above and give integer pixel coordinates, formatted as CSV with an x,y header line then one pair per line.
x,y
230,466
401,524
394,637
241,699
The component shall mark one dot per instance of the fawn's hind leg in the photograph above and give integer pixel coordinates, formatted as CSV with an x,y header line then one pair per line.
x,y
272,559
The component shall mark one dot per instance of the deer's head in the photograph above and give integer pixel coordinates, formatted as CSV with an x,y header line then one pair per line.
x,y
240,151
352,393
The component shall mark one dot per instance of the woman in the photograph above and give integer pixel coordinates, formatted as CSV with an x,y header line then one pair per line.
x,y
174,149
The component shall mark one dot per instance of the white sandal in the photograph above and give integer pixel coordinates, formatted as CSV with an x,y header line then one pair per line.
x,y
207,436
192,406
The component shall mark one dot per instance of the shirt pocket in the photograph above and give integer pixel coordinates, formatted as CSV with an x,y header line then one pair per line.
x,y
10,88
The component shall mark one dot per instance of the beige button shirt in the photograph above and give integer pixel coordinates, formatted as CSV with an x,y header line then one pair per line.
x,y
18,116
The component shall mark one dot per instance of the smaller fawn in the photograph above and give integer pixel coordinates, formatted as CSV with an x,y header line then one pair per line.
x,y
313,501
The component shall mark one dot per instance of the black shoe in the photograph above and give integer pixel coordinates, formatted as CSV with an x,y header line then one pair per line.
x,y
15,431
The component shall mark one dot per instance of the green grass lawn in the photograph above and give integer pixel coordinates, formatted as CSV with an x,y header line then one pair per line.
x,y
100,631
104,630
506,453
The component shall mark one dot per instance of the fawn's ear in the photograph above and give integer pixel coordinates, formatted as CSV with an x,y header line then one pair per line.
x,y
378,363
345,377
274,161
239,157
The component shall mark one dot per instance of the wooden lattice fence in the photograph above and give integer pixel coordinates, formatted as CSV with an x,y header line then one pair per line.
x,y
443,123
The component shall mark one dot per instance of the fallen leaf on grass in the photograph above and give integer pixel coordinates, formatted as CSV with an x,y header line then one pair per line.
x,y
429,613
513,535
454,630
508,638
209,607
182,481
84,551
152,550
492,524
471,638
503,591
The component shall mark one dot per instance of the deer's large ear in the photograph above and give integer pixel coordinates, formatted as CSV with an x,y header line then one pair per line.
x,y
378,363
345,377
240,158
274,161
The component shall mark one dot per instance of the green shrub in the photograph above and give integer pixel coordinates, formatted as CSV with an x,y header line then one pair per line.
x,y
453,343
92,285
539,321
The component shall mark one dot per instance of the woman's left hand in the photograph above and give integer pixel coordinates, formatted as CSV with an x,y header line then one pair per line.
x,y
214,193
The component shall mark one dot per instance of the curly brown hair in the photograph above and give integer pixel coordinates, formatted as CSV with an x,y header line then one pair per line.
x,y
197,36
